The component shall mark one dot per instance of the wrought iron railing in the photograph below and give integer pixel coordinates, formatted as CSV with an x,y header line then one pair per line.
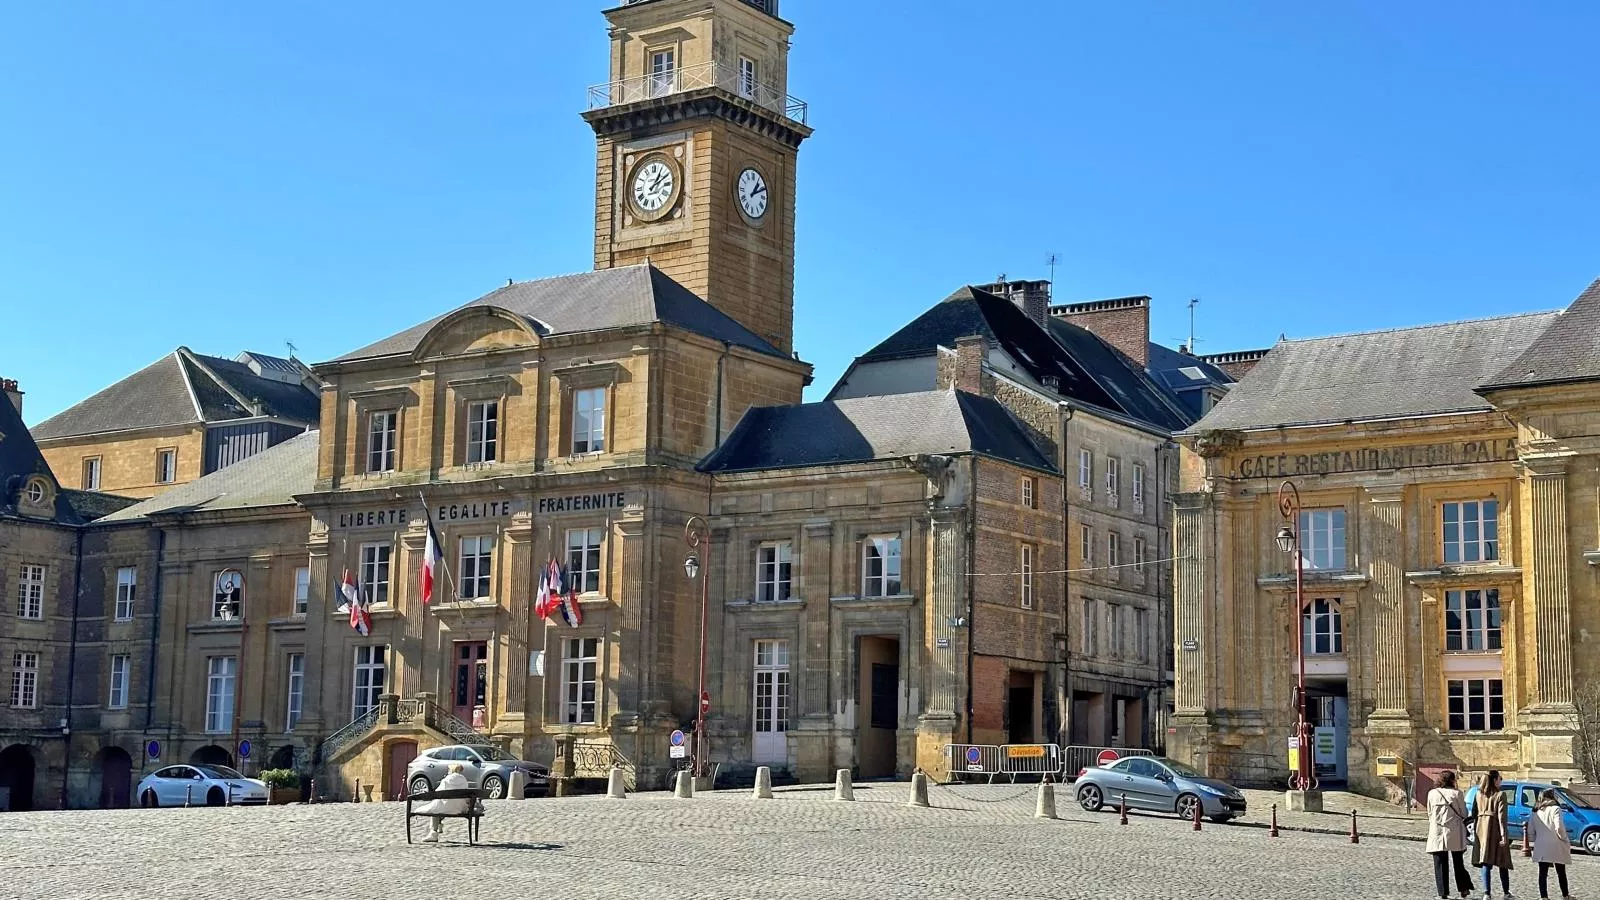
x,y
441,719
347,735
707,75
595,759
408,710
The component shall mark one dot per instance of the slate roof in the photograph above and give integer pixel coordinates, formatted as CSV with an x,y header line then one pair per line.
x,y
875,428
1430,369
180,388
19,459
270,478
1185,377
1567,351
1134,391
593,301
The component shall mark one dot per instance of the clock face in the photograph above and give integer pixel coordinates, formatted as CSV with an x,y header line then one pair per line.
x,y
654,186
752,193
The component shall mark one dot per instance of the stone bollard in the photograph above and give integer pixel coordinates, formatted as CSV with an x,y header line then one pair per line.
x,y
1045,806
919,790
685,788
614,786
763,789
842,789
517,785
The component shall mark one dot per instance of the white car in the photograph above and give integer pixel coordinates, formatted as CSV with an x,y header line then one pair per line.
x,y
200,786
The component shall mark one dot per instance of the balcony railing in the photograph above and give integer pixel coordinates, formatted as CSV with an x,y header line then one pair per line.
x,y
708,75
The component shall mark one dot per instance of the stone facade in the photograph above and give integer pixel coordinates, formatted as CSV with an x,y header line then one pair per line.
x,y
129,463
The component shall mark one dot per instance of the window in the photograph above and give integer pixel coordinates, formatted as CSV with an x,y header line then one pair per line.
x,y
477,567
1322,628
774,568
91,473
772,686
1085,545
578,668
369,679
1471,531
1138,554
30,592
1472,621
747,78
1086,473
1025,586
375,573
880,566
1113,479
297,690
1118,634
119,683
1141,637
1322,539
382,445
127,586
589,421
663,64
302,590
1091,631
1030,492
220,672
227,595
1138,486
483,431
583,559
1113,550
166,466
35,491
25,680
1477,704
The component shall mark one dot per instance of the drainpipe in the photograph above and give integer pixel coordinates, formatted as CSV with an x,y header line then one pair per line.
x,y
1065,692
72,663
722,360
972,541
155,632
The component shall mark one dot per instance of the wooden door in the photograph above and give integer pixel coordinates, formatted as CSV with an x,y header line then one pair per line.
x,y
401,753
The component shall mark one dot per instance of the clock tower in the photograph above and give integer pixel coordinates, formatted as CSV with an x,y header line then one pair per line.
x,y
697,139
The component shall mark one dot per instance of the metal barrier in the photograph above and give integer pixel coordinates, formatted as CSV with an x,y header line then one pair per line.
x,y
973,759
1077,758
1030,759
1027,759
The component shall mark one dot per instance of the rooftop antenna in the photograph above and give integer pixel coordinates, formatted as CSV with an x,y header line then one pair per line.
x,y
1193,302
292,348
1051,261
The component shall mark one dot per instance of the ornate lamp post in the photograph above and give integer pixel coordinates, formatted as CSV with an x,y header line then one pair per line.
x,y
695,532
1289,542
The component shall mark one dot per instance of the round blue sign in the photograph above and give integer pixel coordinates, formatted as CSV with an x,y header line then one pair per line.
x,y
244,749
153,749
974,754
677,739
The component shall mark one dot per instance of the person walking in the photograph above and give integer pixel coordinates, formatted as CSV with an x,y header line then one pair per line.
x,y
1492,849
1447,836
1551,847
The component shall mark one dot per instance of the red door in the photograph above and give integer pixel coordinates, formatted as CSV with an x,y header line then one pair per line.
x,y
472,678
401,753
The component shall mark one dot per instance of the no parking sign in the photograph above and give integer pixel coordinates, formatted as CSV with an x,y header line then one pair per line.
x,y
153,750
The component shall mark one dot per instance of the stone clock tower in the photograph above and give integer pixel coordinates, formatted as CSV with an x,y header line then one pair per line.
x,y
697,143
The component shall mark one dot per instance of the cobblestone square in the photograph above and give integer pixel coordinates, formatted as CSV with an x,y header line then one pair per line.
x,y
976,842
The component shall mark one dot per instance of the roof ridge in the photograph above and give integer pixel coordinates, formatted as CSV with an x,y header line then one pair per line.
x,y
246,402
1472,321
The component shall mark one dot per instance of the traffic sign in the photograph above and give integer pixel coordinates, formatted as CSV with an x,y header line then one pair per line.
x,y
678,752
974,754
705,703
153,750
1107,757
244,749
676,739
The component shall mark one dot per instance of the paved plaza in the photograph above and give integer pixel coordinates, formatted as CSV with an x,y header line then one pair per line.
x,y
979,842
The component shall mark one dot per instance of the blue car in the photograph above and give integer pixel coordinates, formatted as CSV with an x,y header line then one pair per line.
x,y
1580,816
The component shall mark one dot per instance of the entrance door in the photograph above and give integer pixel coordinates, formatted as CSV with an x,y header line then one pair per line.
x,y
115,768
472,679
771,702
16,774
878,711
1019,708
401,753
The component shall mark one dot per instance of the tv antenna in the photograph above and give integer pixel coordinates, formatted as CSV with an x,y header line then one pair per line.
x,y
291,346
1051,261
1193,302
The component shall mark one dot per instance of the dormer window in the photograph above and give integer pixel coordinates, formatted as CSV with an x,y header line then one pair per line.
x,y
35,491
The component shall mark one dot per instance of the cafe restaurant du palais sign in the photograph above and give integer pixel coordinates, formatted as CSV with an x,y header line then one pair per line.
x,y
1377,459
483,510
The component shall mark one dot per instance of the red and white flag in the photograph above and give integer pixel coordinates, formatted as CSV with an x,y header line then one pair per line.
x,y
360,619
432,562
349,594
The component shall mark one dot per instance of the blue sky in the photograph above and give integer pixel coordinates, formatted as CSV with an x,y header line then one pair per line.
x,y
230,176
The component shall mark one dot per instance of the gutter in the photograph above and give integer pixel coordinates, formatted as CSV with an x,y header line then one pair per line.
x,y
972,540
155,630
72,664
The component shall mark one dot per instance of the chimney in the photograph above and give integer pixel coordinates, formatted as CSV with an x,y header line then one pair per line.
x,y
13,393
1032,297
1237,363
1123,323
970,354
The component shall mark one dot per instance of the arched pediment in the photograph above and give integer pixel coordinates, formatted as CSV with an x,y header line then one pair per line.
x,y
476,329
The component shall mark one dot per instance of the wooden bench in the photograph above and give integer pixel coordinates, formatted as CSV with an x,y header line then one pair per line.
x,y
473,815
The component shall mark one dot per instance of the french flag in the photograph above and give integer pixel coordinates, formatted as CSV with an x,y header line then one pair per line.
x,y
432,561
360,619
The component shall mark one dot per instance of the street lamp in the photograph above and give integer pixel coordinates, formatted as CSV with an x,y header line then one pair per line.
x,y
695,532
1288,540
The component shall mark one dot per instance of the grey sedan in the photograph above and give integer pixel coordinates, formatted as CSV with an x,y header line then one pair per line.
x,y
483,766
1159,784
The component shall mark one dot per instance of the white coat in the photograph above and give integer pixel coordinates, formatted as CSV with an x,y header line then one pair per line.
x,y
1447,821
455,781
1550,843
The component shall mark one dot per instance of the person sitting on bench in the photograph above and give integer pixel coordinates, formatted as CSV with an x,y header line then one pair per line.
x,y
454,781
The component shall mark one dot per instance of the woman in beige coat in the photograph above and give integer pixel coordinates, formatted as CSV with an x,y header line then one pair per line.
x,y
1492,849
1551,845
1447,836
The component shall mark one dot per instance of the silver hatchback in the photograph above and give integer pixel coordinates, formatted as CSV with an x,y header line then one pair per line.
x,y
1159,784
483,766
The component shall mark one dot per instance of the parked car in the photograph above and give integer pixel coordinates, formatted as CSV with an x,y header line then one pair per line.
x,y
1580,816
1159,784
200,786
482,765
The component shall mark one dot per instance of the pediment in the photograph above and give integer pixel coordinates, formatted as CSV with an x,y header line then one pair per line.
x,y
478,329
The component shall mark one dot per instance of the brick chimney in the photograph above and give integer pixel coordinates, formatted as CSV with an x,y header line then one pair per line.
x,y
1032,297
1237,363
970,354
13,393
1123,323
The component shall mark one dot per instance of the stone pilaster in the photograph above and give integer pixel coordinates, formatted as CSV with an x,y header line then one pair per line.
x,y
1195,550
1550,591
946,604
419,665
631,678
516,590
1383,547
319,607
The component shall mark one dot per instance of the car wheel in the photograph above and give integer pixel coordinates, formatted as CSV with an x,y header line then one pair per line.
x,y
1091,798
1591,842
148,799
496,786
421,785
1187,804
215,797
